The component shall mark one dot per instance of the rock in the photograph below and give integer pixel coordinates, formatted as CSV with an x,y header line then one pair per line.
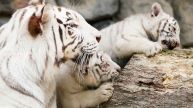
x,y
92,10
183,12
102,24
51,2
163,81
5,8
3,20
17,4
129,7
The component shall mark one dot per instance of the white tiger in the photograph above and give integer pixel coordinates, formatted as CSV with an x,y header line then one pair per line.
x,y
33,44
142,33
73,88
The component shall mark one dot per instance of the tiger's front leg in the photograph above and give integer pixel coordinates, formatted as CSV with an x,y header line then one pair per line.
x,y
131,44
91,98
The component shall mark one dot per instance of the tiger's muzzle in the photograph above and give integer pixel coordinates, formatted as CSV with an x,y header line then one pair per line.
x,y
171,44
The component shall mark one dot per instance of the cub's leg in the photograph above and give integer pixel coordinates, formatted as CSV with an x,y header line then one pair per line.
x,y
91,98
127,44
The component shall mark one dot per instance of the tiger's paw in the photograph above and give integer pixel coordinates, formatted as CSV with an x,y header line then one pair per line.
x,y
105,92
153,49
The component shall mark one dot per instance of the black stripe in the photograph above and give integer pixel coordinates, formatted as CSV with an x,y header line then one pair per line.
x,y
55,44
52,99
2,45
61,34
44,70
10,82
78,44
164,25
64,47
97,73
22,15
42,11
59,21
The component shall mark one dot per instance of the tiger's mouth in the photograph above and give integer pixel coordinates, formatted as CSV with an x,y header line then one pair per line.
x,y
171,44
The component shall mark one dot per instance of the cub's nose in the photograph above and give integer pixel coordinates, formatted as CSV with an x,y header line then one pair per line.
x,y
118,69
98,38
116,72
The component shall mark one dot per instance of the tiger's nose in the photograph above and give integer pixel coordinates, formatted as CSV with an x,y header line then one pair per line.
x,y
115,74
117,68
98,38
117,71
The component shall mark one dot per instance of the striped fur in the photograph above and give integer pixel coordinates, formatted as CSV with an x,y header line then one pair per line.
x,y
73,88
142,33
33,44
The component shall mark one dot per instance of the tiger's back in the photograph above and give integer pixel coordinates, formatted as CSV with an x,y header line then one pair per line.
x,y
141,33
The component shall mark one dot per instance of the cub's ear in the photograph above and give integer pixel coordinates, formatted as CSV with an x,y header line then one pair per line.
x,y
36,2
36,22
156,9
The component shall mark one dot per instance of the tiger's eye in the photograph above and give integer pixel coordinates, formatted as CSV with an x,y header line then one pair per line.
x,y
174,29
164,42
70,32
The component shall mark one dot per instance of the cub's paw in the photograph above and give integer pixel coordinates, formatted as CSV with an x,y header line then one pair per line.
x,y
105,92
153,49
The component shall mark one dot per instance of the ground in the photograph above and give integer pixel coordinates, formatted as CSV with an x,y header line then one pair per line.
x,y
163,81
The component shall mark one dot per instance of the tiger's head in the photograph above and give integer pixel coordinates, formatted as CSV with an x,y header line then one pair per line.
x,y
68,32
100,69
162,27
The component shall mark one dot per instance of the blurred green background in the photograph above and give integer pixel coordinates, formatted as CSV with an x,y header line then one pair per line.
x,y
101,13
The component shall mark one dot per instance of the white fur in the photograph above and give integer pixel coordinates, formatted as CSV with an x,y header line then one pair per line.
x,y
72,89
23,57
127,37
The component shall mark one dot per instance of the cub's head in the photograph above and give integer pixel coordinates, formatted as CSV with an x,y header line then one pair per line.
x,y
100,69
162,27
68,32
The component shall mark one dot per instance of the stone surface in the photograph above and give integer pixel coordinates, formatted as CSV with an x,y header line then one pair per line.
x,y
3,20
163,81
183,12
92,10
5,8
16,4
129,7
102,24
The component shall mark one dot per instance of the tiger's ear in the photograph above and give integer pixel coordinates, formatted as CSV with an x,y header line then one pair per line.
x,y
156,9
36,22
36,2
46,14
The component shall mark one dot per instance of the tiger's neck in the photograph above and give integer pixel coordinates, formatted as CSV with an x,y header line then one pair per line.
x,y
27,57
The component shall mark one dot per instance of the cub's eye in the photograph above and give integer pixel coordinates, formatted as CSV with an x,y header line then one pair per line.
x,y
72,25
174,29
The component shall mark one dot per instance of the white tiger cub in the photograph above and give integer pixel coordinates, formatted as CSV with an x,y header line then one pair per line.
x,y
33,44
142,33
73,88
